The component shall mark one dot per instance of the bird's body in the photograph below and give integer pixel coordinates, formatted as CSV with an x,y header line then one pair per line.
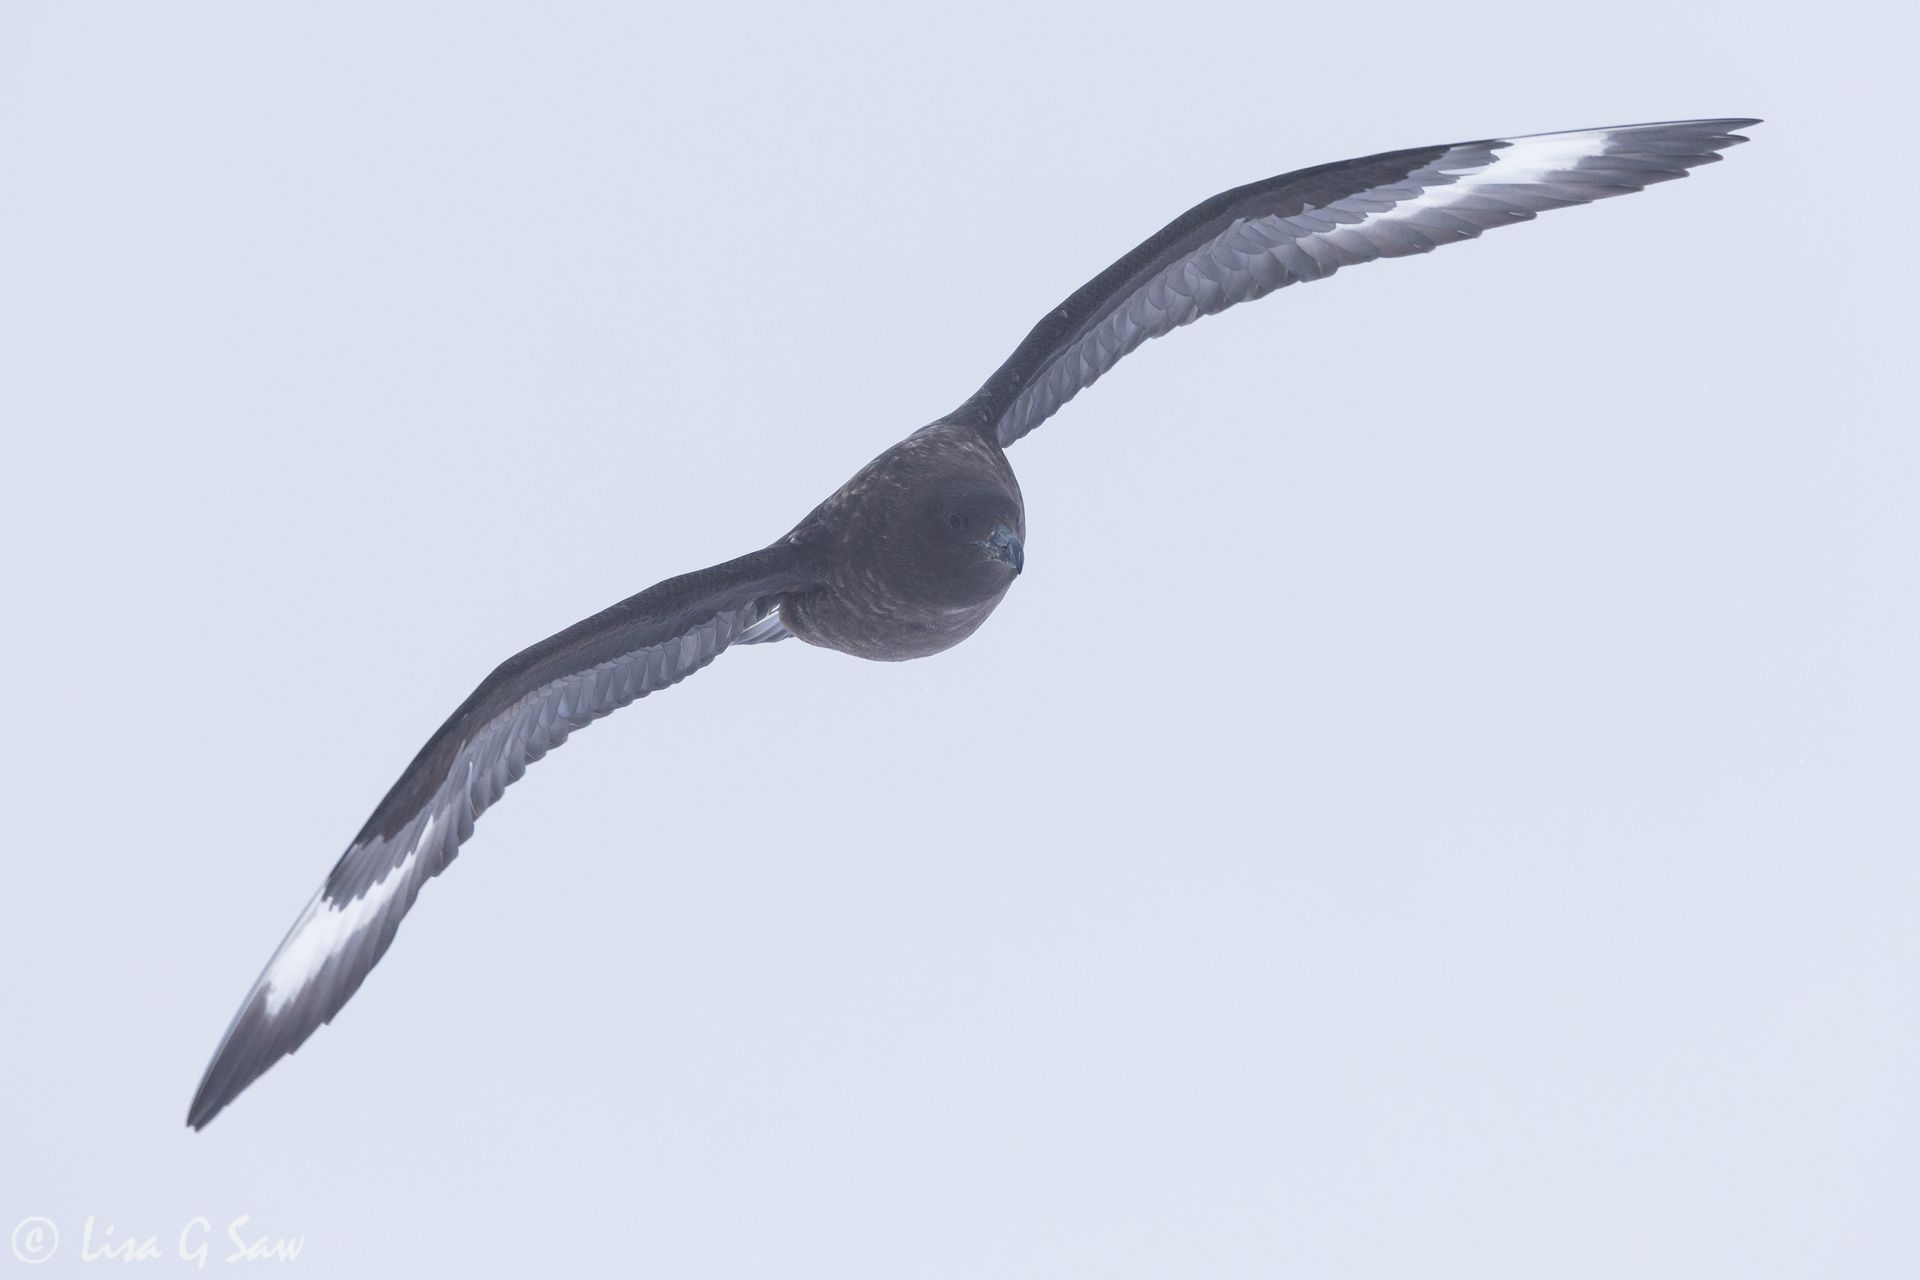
x,y
882,597
911,555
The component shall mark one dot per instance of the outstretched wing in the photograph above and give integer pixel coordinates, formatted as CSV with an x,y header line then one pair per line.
x,y
1247,242
523,710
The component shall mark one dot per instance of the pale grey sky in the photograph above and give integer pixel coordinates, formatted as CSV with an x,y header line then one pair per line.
x,y
1475,836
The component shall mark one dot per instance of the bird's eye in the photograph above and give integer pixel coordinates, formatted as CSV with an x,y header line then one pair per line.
x,y
956,521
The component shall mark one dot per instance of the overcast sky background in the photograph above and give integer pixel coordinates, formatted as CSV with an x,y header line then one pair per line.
x,y
1441,800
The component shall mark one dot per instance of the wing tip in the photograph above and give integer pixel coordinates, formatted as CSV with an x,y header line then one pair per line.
x,y
249,1052
1725,129
220,1084
202,1110
1731,125
227,1076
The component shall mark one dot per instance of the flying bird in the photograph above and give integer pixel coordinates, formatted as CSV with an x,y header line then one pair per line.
x,y
911,554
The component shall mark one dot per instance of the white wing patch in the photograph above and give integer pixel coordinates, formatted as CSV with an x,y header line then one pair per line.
x,y
325,929
531,704
1538,158
1466,189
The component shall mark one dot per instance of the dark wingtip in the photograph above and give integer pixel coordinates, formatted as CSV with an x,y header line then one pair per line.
x,y
1729,127
245,1053
210,1099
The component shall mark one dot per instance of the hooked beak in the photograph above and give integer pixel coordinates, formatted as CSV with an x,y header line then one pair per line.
x,y
1003,545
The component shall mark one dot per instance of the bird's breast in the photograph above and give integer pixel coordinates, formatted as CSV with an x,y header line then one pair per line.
x,y
868,621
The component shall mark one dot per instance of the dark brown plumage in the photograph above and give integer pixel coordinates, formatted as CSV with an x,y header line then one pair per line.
x,y
913,565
